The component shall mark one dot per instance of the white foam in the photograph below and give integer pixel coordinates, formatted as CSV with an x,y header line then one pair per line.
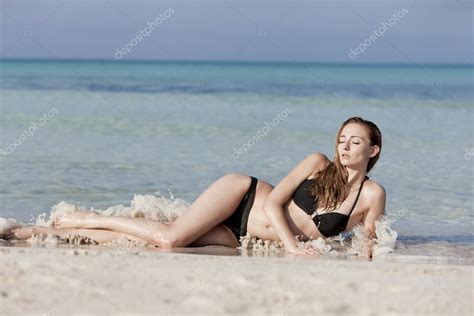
x,y
153,207
384,243
336,246
321,245
7,225
158,208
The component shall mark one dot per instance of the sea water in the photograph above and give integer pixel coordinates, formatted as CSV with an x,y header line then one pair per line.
x,y
95,133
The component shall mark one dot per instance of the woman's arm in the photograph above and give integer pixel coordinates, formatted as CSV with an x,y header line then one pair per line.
x,y
377,198
280,195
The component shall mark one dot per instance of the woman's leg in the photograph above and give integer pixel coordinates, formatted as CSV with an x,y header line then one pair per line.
x,y
149,230
211,208
98,235
219,235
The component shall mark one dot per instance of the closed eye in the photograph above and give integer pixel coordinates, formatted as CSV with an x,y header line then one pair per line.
x,y
340,142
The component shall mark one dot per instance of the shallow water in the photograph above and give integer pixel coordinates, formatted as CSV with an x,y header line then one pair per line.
x,y
139,128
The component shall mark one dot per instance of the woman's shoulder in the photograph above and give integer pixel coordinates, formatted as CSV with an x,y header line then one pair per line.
x,y
374,198
318,157
373,189
320,162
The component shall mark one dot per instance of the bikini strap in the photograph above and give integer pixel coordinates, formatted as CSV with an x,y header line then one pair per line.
x,y
358,193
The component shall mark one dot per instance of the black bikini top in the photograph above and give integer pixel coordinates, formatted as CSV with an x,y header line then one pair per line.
x,y
329,224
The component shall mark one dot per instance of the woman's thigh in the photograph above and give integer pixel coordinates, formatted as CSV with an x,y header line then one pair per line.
x,y
210,209
220,235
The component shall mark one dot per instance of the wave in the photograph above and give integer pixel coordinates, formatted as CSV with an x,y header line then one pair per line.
x,y
358,90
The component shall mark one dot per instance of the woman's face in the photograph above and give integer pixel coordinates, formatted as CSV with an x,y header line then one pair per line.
x,y
354,147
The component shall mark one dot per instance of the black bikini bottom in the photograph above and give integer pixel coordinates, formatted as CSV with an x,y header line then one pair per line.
x,y
237,222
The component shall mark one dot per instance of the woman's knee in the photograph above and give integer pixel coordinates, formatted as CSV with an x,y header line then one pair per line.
x,y
232,176
161,237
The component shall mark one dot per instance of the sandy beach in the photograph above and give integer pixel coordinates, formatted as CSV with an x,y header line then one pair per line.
x,y
97,280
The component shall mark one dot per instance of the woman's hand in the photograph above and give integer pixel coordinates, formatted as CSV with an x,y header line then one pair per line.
x,y
368,248
303,251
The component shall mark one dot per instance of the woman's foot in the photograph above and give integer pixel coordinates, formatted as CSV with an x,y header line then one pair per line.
x,y
6,227
22,233
74,220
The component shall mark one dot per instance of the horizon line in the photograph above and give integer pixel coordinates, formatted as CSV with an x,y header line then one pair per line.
x,y
205,61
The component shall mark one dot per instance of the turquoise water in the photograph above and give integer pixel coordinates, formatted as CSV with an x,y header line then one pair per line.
x,y
119,129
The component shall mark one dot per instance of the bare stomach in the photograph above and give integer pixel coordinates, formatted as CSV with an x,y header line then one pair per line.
x,y
259,226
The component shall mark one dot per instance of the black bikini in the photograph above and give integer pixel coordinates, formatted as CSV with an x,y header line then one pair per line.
x,y
329,224
237,222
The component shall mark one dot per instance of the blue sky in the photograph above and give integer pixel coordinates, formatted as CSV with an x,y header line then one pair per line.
x,y
436,31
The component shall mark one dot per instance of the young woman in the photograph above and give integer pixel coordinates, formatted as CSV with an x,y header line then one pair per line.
x,y
318,198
